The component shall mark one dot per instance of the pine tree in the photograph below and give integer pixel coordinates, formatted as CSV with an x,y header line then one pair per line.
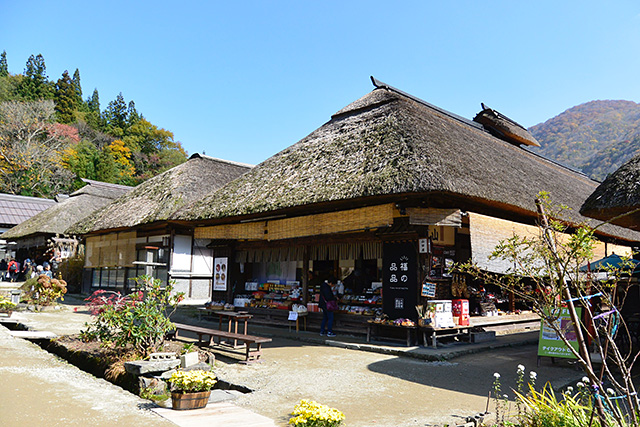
x,y
93,116
4,70
133,116
65,99
36,85
76,85
94,102
116,116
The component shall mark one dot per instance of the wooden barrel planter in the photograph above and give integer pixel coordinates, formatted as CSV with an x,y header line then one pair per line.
x,y
195,400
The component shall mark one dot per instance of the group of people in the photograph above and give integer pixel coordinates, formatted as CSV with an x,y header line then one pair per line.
x,y
14,271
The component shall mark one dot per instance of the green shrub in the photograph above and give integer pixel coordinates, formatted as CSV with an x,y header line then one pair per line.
x,y
140,320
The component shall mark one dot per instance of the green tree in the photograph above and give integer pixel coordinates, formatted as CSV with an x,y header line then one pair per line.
x,y
82,159
92,115
77,86
36,85
115,116
106,167
132,114
4,70
66,99
10,87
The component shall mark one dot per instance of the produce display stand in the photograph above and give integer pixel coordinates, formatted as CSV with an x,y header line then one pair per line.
x,y
376,330
436,333
343,323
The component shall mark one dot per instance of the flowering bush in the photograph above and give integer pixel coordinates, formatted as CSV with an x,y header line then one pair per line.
x,y
140,320
43,290
192,381
6,304
312,414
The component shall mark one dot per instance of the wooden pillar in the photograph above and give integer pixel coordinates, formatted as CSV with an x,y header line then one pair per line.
x,y
305,275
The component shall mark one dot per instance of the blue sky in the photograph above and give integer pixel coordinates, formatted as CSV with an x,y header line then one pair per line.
x,y
244,80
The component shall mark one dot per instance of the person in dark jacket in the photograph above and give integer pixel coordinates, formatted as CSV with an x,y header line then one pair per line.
x,y
326,294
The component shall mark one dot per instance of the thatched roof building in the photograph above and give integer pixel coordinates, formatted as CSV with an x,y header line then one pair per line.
x,y
618,194
157,198
68,210
390,147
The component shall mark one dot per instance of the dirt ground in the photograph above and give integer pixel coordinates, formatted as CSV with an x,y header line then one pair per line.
x,y
381,390
372,389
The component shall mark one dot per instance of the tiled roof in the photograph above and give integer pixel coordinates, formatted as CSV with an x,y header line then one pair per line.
x,y
15,209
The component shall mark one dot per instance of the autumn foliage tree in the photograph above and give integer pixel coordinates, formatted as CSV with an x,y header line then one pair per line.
x,y
42,155
31,148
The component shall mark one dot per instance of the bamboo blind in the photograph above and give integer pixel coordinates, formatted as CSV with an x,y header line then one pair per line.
x,y
337,251
329,223
433,216
111,250
487,232
249,231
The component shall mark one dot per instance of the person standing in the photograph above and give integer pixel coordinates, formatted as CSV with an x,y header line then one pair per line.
x,y
326,296
14,269
47,270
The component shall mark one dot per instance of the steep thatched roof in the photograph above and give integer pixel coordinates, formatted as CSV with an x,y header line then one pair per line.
x,y
391,145
68,210
16,209
617,195
157,198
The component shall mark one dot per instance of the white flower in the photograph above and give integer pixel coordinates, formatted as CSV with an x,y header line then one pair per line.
x,y
585,380
610,392
496,375
569,389
580,384
505,396
520,368
533,375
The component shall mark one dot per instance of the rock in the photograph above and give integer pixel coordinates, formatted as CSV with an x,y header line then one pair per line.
x,y
141,367
167,374
198,366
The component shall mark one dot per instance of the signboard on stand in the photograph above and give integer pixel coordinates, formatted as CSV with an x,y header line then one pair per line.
x,y
220,274
400,280
550,343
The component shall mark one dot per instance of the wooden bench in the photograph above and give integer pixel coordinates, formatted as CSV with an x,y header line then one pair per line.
x,y
252,355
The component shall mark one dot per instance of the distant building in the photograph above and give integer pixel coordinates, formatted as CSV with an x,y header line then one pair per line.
x,y
31,237
14,210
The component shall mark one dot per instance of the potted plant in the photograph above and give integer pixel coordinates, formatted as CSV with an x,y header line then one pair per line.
x,y
191,389
6,306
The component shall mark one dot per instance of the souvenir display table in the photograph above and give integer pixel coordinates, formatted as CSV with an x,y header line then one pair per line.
x,y
377,330
435,333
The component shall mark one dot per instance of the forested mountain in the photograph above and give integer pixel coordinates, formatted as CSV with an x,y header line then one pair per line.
x,y
596,137
50,136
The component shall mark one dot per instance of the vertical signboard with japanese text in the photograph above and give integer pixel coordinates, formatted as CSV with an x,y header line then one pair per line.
x,y
550,343
220,273
400,280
